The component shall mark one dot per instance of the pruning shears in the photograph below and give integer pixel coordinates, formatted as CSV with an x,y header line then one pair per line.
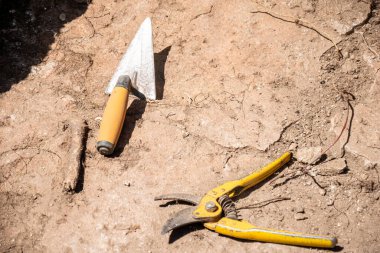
x,y
217,211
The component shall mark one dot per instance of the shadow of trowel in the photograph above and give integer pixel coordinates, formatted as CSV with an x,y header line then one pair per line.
x,y
134,113
159,64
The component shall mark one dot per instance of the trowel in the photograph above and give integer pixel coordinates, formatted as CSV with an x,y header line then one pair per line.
x,y
135,74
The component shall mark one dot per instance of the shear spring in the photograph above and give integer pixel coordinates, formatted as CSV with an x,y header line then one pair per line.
x,y
228,207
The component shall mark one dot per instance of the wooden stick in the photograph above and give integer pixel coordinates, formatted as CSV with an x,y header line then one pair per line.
x,y
73,165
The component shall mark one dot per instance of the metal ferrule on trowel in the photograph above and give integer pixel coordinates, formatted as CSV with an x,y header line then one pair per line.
x,y
135,74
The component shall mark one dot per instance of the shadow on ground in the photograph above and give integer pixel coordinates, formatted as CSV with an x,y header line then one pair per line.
x,y
159,66
27,29
134,113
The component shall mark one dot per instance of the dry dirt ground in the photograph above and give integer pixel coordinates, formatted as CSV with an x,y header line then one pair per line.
x,y
240,82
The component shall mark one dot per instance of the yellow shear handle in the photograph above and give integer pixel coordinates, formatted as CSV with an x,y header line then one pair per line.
x,y
258,176
113,120
245,230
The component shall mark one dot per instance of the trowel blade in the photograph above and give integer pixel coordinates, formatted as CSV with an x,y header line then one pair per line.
x,y
138,58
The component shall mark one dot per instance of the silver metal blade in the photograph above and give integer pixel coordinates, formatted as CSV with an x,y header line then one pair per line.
x,y
180,219
139,58
187,198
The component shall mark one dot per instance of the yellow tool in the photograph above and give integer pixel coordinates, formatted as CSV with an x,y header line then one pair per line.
x,y
134,73
217,212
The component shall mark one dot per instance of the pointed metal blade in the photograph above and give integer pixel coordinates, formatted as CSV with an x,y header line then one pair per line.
x,y
180,219
139,58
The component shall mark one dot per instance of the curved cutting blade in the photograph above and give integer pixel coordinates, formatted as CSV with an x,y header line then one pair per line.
x,y
180,219
187,198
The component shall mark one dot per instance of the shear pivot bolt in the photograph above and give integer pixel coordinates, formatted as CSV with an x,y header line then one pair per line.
x,y
211,207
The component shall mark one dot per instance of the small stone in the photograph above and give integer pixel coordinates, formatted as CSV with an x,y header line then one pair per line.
x,y
299,209
359,209
367,26
322,192
368,165
308,6
331,168
300,216
308,155
62,16
292,146
330,202
185,134
98,119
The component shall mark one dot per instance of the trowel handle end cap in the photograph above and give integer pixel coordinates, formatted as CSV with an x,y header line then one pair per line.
x,y
105,147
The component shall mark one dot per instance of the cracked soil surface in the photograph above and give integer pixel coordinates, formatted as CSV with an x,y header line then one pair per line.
x,y
240,83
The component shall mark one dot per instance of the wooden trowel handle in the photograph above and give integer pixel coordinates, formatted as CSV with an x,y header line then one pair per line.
x,y
113,117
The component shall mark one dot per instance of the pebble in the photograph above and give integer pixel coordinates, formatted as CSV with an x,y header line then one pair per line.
x,y
300,216
368,165
331,168
322,192
308,154
292,146
62,16
299,209
185,134
307,6
330,202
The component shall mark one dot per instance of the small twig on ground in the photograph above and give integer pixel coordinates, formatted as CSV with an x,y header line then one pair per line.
x,y
343,212
315,181
204,13
284,179
348,97
301,23
349,108
73,165
264,203
368,46
29,159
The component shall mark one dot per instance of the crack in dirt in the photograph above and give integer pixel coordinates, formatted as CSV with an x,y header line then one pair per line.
x,y
372,7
